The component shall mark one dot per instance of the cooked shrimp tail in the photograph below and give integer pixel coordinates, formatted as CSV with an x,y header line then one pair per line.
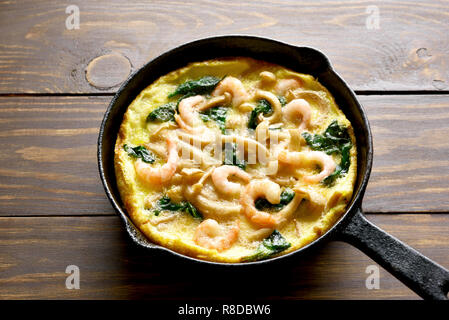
x,y
188,118
163,174
220,177
284,85
209,234
235,87
326,162
254,190
298,108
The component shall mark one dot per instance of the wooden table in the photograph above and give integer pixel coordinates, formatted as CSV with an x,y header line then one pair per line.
x,y
55,84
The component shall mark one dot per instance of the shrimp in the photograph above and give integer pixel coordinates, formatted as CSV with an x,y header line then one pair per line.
x,y
285,85
272,192
220,178
233,86
298,107
188,116
326,162
163,174
254,190
210,235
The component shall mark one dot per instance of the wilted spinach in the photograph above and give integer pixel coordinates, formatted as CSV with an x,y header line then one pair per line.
x,y
263,106
218,114
165,203
140,152
163,113
286,196
270,246
334,140
204,85
331,141
231,158
341,168
190,209
282,100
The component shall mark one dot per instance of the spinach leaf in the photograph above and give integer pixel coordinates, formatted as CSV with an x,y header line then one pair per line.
x,y
331,141
163,113
231,158
270,246
165,203
286,196
190,209
341,168
202,85
218,114
263,106
334,140
282,100
140,152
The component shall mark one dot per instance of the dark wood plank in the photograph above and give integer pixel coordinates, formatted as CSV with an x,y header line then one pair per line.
x,y
411,148
49,156
36,251
48,160
38,53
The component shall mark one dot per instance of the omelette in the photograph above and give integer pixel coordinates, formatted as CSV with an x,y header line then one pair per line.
x,y
235,160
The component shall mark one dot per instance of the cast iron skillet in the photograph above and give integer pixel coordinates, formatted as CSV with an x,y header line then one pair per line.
x,y
422,275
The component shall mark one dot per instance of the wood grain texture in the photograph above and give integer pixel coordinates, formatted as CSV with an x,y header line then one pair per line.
x,y
48,160
36,252
39,54
49,156
411,153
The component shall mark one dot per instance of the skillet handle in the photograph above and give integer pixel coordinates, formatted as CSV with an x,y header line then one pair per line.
x,y
422,275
